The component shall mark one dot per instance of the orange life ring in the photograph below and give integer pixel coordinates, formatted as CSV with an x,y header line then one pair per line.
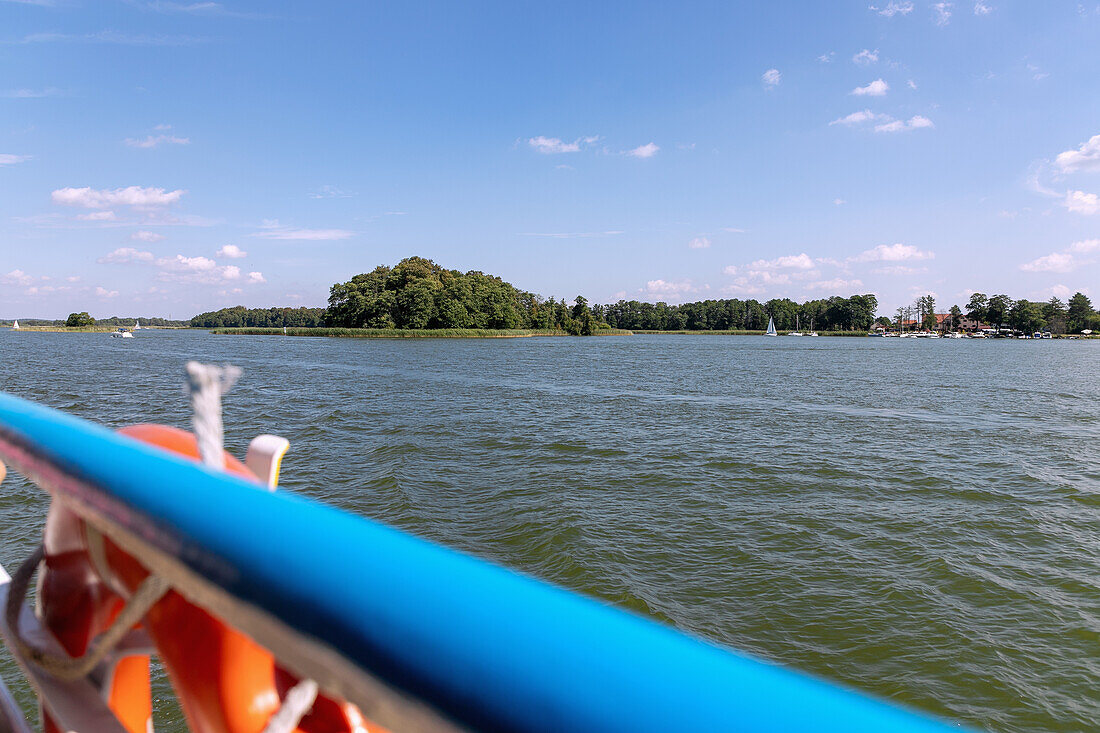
x,y
225,682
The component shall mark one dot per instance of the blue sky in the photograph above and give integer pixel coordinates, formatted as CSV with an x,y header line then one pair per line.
x,y
166,158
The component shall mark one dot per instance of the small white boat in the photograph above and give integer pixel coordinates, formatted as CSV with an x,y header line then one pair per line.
x,y
771,328
137,324
797,328
15,326
122,333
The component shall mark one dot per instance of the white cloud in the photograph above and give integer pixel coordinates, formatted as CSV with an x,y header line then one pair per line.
x,y
1054,262
551,145
195,8
232,251
73,279
122,255
644,151
899,270
771,77
147,236
1080,202
152,141
271,229
569,235
730,270
865,57
797,262
1066,260
981,8
894,8
669,289
136,196
839,202
877,88
836,285
826,58
733,230
942,12
858,118
330,192
915,122
231,272
179,263
16,277
103,292
30,93
911,84
1085,158
699,243
256,277
892,253
9,159
97,216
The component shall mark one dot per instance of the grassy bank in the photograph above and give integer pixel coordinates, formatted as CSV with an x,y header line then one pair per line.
x,y
401,333
747,333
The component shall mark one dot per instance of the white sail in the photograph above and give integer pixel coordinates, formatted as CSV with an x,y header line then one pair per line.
x,y
15,325
771,328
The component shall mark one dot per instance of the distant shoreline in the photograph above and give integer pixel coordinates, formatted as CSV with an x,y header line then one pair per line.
x,y
400,333
92,329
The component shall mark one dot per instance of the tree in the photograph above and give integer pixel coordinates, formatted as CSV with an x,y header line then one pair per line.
x,y
1026,316
1054,313
997,309
955,316
582,317
79,320
976,309
902,316
1080,309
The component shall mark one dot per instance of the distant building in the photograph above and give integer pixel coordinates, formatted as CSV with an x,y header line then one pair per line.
x,y
962,323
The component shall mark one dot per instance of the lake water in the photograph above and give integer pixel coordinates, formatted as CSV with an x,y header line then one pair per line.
x,y
918,519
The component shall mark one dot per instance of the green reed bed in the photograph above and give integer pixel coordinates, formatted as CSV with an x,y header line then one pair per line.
x,y
402,333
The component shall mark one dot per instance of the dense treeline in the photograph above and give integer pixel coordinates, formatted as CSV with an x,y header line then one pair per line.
x,y
856,313
112,321
238,317
1029,316
417,293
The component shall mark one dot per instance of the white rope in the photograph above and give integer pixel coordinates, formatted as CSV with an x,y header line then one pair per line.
x,y
64,667
206,383
298,701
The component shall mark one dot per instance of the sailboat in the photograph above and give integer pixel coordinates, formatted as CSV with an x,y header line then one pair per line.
x,y
15,326
137,324
797,328
812,331
771,328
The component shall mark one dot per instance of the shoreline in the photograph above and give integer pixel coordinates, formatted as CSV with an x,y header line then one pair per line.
x,y
92,329
395,333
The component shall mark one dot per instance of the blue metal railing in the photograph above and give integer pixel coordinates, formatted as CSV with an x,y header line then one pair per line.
x,y
490,649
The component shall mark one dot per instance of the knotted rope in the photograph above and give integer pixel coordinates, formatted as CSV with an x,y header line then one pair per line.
x,y
206,383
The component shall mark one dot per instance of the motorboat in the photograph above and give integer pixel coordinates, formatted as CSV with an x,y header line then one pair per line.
x,y
122,333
